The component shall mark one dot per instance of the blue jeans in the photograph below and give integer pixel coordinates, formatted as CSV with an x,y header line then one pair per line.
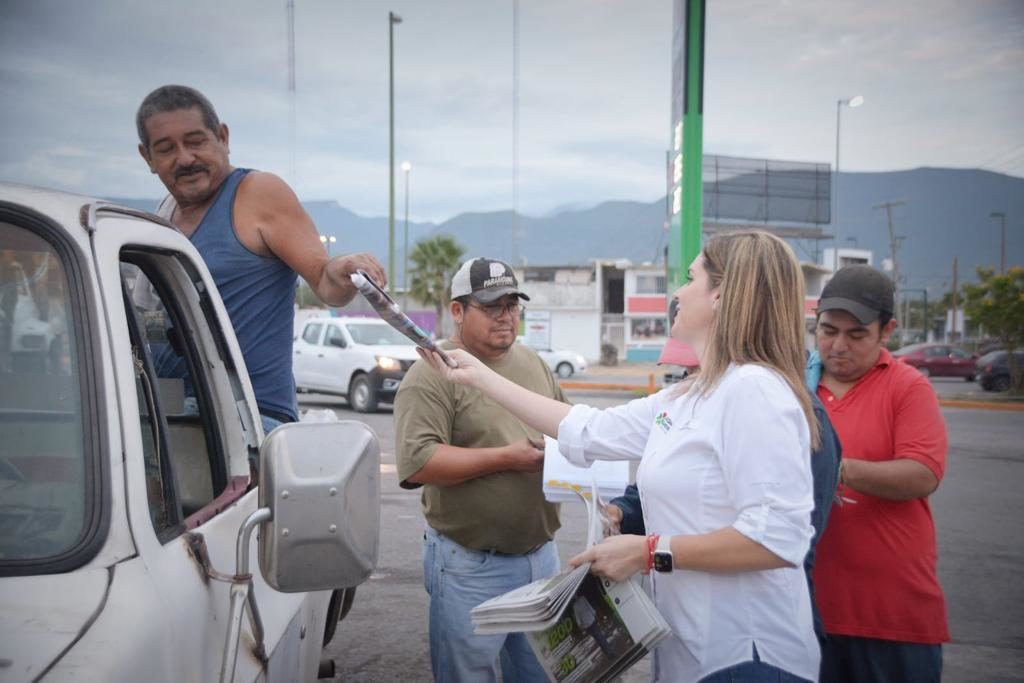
x,y
846,659
269,423
457,580
754,671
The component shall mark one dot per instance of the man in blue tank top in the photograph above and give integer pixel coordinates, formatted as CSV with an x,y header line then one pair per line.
x,y
253,235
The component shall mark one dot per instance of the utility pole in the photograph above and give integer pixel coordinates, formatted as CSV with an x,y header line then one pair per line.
x,y
517,235
392,20
1002,241
952,337
893,247
290,11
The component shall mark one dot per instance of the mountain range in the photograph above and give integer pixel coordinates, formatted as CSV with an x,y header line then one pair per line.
x,y
946,214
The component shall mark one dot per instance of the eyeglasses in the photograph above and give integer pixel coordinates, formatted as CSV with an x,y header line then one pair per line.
x,y
495,311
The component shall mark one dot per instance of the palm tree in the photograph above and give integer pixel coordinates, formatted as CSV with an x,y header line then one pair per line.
x,y
434,262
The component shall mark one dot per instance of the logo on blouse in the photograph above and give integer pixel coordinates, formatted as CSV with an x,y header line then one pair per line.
x,y
663,421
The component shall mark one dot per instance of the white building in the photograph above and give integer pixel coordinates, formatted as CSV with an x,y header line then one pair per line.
x,y
606,303
625,306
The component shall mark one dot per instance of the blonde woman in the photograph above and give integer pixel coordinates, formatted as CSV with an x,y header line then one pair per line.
x,y
725,471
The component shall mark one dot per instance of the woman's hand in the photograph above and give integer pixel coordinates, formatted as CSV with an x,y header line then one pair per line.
x,y
611,518
540,412
616,557
469,371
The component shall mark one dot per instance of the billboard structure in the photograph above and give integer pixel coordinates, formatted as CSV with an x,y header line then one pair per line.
x,y
789,198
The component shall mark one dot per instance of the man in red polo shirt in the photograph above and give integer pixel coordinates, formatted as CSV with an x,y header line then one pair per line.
x,y
877,588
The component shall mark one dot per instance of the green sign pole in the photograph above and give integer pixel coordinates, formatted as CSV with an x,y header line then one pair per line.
x,y
687,140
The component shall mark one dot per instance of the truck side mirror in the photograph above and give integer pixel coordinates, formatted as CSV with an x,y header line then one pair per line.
x,y
321,482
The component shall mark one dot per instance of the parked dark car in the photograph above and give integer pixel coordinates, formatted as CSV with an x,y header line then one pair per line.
x,y
994,370
939,360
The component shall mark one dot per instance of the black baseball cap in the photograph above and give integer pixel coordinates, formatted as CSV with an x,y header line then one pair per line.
x,y
861,291
486,280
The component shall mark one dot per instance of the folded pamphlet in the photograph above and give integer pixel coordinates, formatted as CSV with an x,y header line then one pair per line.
x,y
582,628
390,313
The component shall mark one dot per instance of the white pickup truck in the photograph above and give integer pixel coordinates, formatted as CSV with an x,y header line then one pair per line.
x,y
134,469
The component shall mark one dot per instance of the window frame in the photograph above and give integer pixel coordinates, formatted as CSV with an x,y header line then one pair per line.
x,y
644,277
158,426
222,484
81,315
319,332
336,330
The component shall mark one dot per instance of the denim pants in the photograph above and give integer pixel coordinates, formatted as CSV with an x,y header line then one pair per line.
x,y
754,671
846,659
457,580
269,423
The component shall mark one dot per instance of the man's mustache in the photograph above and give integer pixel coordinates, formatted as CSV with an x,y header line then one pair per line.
x,y
188,170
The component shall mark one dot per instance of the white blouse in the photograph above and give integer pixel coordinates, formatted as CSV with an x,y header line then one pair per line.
x,y
737,457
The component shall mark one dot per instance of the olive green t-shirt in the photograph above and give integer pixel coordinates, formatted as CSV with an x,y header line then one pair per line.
x,y
503,511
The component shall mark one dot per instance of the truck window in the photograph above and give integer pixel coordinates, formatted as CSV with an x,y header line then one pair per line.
x,y
311,334
185,464
47,493
334,337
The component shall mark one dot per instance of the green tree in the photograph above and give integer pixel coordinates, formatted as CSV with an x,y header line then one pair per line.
x,y
434,262
996,302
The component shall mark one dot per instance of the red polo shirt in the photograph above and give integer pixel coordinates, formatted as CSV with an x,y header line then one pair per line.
x,y
875,573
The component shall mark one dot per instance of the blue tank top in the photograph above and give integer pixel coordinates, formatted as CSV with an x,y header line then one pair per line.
x,y
259,295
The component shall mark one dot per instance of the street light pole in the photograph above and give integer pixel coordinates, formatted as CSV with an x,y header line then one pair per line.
x,y
406,166
851,102
392,20
327,241
1002,241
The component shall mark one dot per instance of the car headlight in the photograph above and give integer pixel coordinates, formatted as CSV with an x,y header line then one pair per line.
x,y
388,363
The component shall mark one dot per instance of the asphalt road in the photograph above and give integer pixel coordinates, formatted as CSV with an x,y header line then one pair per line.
x,y
978,511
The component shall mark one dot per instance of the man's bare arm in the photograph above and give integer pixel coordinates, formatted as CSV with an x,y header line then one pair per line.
x,y
900,479
286,230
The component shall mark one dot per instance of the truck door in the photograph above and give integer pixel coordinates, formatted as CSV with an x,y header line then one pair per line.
x,y
189,452
338,356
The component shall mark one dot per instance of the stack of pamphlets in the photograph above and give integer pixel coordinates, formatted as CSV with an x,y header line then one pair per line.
x,y
563,481
391,313
581,627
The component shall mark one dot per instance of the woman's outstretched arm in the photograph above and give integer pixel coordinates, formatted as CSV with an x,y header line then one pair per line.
x,y
540,412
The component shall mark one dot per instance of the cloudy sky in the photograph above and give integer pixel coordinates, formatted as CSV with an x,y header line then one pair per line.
x,y
941,79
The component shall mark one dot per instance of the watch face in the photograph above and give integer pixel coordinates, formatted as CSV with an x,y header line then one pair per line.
x,y
663,562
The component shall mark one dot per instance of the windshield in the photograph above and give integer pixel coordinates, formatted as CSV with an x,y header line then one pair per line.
x,y
992,357
377,335
42,454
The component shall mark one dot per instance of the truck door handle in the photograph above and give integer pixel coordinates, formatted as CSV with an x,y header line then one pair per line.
x,y
319,355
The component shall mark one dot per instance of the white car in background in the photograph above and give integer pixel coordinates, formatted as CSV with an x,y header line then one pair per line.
x,y
363,359
563,363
